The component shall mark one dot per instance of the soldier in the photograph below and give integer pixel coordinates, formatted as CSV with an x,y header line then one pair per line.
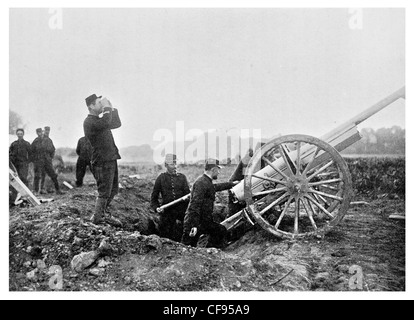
x,y
199,215
36,158
104,151
47,153
172,186
20,155
84,152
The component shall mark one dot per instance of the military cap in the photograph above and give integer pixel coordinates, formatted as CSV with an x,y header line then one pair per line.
x,y
212,163
91,99
170,158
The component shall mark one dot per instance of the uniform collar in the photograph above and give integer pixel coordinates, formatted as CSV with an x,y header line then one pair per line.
x,y
210,178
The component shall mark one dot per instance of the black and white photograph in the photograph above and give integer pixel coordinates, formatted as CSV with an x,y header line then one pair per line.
x,y
200,151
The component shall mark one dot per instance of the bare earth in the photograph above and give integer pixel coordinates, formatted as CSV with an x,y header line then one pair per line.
x,y
365,252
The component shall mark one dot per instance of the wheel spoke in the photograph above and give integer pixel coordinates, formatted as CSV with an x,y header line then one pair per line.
x,y
323,194
329,187
317,183
275,168
262,193
328,173
319,200
311,207
297,208
285,209
311,161
320,170
325,202
273,204
316,203
285,158
310,216
269,179
298,160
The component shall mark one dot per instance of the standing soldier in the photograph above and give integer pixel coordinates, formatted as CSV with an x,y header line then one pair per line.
x,y
84,152
36,158
199,215
20,155
171,185
104,151
47,152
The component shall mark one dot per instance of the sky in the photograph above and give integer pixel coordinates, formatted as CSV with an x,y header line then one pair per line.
x,y
280,71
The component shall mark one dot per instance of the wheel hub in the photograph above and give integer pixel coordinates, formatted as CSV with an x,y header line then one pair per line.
x,y
297,186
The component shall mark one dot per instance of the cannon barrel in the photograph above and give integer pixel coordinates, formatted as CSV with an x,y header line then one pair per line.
x,y
340,138
367,113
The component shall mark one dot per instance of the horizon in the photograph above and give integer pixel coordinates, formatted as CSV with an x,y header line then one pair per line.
x,y
13,137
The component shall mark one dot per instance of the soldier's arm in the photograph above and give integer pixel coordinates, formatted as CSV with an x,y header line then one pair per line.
x,y
116,121
185,187
78,147
155,193
92,127
12,156
29,152
52,149
223,186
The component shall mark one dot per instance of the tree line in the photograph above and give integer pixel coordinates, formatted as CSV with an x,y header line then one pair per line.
x,y
384,141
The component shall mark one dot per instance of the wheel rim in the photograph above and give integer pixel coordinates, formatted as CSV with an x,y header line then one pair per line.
x,y
290,202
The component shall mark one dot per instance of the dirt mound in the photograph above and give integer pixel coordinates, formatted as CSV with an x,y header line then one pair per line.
x,y
45,240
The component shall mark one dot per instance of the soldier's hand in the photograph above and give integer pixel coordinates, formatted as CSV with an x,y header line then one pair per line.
x,y
193,232
235,183
160,210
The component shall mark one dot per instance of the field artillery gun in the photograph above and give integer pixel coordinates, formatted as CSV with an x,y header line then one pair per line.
x,y
305,187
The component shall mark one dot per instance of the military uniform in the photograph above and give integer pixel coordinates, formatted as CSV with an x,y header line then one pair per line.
x,y
84,152
171,187
37,162
199,213
46,153
20,156
104,156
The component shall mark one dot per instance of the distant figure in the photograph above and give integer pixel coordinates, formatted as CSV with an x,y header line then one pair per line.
x,y
84,152
37,159
199,215
171,185
20,155
104,151
47,153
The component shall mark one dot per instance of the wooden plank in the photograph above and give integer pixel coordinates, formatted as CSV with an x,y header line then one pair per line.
x,y
21,188
396,217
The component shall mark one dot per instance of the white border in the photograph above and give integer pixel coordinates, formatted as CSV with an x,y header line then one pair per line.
x,y
4,284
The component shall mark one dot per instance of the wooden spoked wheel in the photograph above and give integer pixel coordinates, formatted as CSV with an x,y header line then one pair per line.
x,y
304,188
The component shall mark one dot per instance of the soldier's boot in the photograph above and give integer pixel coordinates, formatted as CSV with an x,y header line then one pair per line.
x,y
108,202
97,217
57,187
111,219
